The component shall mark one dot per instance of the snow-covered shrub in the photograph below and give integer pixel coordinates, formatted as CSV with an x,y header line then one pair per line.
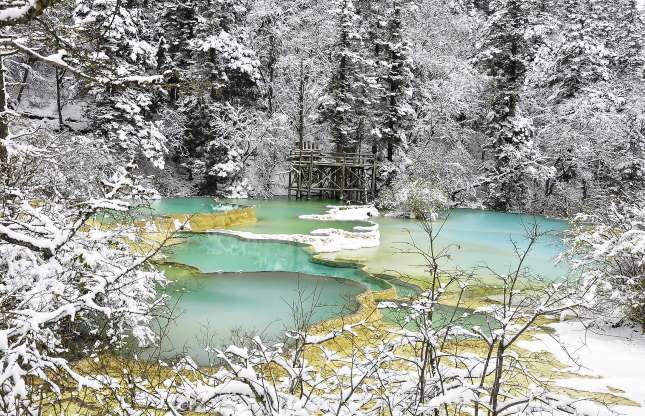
x,y
608,250
235,151
413,198
358,379
126,122
273,147
68,288
435,175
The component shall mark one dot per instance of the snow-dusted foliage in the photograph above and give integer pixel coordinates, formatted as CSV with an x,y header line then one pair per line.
x,y
224,139
68,288
608,250
594,145
119,43
230,60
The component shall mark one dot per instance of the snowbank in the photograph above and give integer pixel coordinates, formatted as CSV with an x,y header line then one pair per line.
x,y
615,359
328,240
344,213
322,241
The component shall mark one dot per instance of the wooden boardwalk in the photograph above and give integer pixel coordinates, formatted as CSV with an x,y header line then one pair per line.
x,y
347,177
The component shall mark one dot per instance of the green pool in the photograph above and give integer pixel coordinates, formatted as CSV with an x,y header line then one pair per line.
x,y
213,309
251,286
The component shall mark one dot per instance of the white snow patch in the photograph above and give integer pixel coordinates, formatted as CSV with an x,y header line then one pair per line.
x,y
344,213
615,358
322,241
328,240
17,12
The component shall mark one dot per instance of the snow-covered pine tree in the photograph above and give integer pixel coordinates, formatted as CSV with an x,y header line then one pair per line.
x,y
582,54
120,40
398,112
178,29
339,109
222,103
505,53
628,36
368,106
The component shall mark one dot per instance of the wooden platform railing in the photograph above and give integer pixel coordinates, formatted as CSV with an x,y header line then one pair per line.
x,y
344,176
333,157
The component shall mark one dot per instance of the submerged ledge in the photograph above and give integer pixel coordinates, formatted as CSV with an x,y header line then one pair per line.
x,y
330,240
202,222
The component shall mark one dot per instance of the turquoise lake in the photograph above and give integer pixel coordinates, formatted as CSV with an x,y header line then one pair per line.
x,y
251,286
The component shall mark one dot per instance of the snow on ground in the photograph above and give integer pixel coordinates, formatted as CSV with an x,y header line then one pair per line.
x,y
344,213
328,240
614,357
73,113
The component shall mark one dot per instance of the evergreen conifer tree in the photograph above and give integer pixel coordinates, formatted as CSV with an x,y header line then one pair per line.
x,y
505,54
339,109
397,88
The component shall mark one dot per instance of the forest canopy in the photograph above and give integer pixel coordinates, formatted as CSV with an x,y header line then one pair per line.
x,y
528,106
531,106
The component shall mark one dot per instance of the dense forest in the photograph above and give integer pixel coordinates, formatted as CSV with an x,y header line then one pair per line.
x,y
529,106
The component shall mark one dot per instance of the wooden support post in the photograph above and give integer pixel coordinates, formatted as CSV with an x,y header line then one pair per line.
x,y
289,184
364,184
299,173
311,171
374,178
342,178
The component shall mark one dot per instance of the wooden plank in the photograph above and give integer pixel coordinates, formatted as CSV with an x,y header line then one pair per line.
x,y
289,183
373,179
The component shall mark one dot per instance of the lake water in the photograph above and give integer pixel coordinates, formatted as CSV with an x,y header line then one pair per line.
x,y
253,285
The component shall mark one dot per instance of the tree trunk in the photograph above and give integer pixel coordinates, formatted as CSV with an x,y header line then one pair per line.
x,y
271,64
23,85
497,382
59,81
301,107
4,117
